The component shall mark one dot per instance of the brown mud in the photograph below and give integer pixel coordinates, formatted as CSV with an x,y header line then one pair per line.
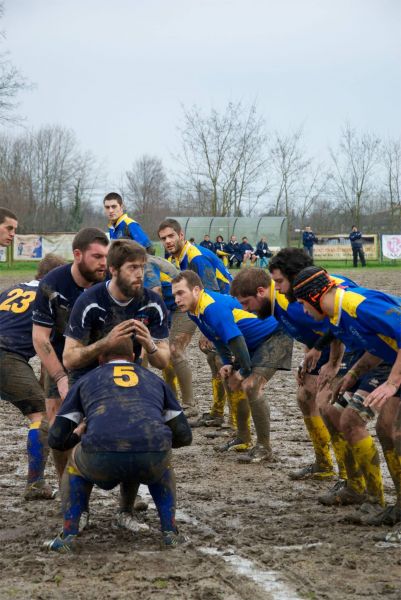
x,y
254,533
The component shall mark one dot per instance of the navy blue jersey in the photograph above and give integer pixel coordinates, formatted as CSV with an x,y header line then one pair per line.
x,y
96,313
126,408
57,294
16,318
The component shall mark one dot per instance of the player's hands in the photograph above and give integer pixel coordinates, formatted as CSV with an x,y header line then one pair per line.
x,y
143,336
300,374
380,395
226,371
345,383
311,359
205,344
326,375
235,380
122,331
81,428
62,386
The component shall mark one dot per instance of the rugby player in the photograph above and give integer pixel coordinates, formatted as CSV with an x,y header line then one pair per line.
x,y
18,384
120,224
8,226
132,421
116,310
56,295
369,320
259,347
214,276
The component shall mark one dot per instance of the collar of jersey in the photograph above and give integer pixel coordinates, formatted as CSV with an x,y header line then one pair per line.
x,y
183,252
338,300
197,309
272,295
121,360
119,220
115,299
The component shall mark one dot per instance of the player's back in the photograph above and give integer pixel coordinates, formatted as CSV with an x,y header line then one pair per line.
x,y
16,305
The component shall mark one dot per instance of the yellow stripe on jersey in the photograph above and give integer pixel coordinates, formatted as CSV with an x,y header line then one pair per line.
x,y
390,341
165,277
204,301
282,300
272,295
337,280
239,314
219,275
351,301
124,218
335,319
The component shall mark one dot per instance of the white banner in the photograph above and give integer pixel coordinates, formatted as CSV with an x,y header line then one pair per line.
x,y
391,246
3,254
35,247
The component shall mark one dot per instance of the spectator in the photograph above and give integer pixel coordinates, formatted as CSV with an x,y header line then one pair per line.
x,y
308,240
235,253
357,247
206,243
220,249
263,252
248,251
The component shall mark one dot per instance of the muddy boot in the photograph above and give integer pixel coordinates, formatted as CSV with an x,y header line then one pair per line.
x,y
207,420
312,472
389,516
140,504
236,444
258,454
39,490
342,495
366,510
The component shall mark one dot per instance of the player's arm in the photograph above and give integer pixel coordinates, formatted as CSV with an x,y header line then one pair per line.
x,y
138,234
389,388
45,351
158,351
176,420
62,434
77,355
330,369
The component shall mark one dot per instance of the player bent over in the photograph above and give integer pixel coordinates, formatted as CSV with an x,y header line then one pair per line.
x,y
368,320
132,421
259,346
18,384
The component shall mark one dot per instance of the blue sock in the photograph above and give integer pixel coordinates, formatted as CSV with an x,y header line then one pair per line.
x,y
163,494
75,496
38,451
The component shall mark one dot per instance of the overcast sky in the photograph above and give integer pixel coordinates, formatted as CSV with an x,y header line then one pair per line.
x,y
118,71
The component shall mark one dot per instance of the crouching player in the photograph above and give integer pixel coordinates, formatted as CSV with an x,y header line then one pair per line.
x,y
366,320
259,347
132,421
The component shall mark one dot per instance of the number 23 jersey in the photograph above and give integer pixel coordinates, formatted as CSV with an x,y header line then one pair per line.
x,y
16,318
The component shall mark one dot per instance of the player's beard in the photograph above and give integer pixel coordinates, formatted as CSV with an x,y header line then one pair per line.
x,y
127,288
265,310
89,274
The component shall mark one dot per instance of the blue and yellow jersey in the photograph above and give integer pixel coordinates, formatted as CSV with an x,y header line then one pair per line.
x,y
126,409
221,318
295,321
206,264
167,291
368,320
125,227
16,305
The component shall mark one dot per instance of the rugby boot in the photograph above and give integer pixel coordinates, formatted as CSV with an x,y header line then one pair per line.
x,y
366,510
235,444
62,544
172,539
84,521
207,420
387,516
312,472
39,490
257,454
342,495
190,411
132,523
394,536
140,504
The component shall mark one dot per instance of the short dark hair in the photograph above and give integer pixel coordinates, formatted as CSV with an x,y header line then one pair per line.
x,y
113,196
247,282
48,263
190,277
122,251
87,236
290,261
173,223
5,213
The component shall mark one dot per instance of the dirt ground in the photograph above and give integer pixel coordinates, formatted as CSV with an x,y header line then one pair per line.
x,y
254,533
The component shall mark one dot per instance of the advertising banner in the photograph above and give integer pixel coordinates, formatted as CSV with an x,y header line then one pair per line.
x,y
35,247
391,246
338,247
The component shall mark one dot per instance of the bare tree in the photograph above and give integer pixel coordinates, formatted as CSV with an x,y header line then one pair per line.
x,y
289,165
392,164
11,84
353,167
223,158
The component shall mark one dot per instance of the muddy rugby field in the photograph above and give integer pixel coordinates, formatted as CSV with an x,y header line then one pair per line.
x,y
254,534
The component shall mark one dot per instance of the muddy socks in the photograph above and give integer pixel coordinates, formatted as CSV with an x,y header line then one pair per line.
x,y
241,414
320,438
340,448
393,460
170,378
163,494
260,411
368,460
219,398
38,450
355,477
184,376
75,493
